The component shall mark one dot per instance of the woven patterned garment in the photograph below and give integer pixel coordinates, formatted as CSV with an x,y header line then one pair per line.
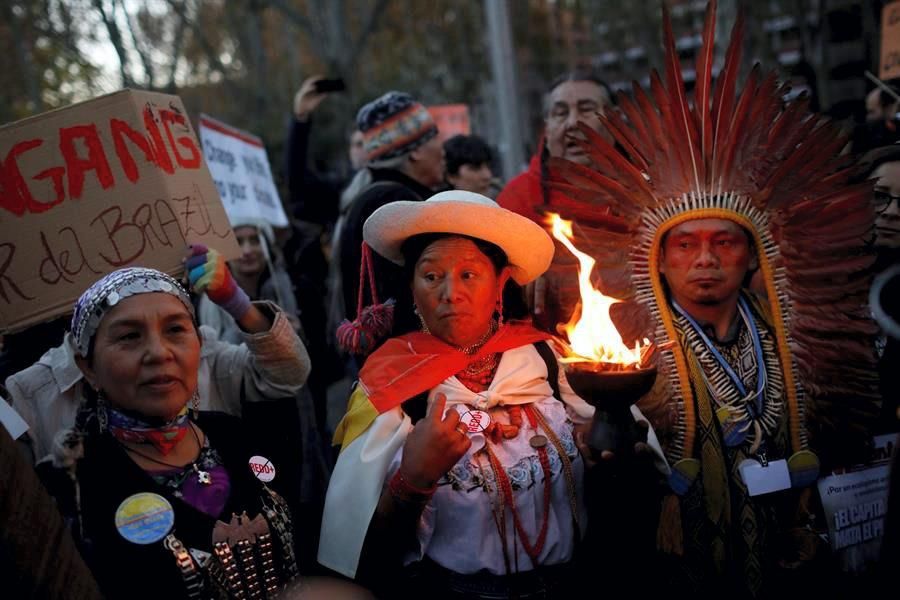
x,y
719,516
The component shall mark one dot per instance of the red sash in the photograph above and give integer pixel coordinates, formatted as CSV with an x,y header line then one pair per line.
x,y
410,364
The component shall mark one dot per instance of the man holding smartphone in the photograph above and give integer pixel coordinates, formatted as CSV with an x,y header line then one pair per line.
x,y
312,198
313,202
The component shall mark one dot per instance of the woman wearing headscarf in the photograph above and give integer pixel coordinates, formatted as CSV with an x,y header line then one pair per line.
x,y
165,501
458,457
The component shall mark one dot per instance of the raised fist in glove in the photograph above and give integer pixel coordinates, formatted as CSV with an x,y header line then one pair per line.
x,y
208,272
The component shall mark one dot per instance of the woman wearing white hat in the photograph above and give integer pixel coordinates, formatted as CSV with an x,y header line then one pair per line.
x,y
458,457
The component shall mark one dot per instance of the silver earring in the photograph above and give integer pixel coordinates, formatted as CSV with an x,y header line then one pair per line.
x,y
421,319
195,404
102,416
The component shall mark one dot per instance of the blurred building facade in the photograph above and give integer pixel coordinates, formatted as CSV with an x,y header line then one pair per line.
x,y
823,46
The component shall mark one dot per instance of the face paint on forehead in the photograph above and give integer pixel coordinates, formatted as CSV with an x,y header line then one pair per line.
x,y
720,239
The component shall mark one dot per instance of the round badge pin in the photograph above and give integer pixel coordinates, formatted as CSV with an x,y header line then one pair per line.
x,y
144,518
475,421
262,468
538,441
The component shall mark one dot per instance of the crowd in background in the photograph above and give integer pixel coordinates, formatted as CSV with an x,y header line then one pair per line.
x,y
311,271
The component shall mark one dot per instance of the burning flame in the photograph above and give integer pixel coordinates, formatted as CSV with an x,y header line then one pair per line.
x,y
592,335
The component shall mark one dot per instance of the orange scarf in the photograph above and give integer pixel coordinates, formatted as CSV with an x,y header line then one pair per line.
x,y
413,363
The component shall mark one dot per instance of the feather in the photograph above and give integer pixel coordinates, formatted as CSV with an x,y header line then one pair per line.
x,y
577,204
650,115
596,145
813,152
586,178
623,134
628,108
582,208
676,178
763,108
704,82
724,95
732,140
681,111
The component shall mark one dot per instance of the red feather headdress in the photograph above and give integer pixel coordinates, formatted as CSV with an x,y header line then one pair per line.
x,y
775,169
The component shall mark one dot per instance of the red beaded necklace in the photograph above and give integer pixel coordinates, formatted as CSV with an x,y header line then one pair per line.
x,y
506,493
480,380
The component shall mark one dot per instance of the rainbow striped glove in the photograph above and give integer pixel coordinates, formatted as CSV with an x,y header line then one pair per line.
x,y
208,272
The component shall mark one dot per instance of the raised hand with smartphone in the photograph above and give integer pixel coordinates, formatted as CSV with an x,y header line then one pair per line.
x,y
311,93
330,85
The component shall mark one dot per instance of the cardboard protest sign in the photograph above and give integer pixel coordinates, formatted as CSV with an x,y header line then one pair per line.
x,y
84,190
451,119
890,42
855,505
240,169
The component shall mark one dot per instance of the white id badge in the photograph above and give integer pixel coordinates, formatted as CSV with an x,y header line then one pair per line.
x,y
764,480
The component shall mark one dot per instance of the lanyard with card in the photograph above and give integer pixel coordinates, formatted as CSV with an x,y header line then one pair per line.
x,y
763,477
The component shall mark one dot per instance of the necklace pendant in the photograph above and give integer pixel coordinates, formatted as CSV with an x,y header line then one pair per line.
x,y
202,476
538,441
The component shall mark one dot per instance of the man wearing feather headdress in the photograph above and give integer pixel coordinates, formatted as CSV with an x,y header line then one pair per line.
x,y
758,389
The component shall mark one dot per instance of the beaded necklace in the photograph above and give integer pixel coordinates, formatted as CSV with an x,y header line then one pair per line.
x,y
203,475
473,348
505,491
478,375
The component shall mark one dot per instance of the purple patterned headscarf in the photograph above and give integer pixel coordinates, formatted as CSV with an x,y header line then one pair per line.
x,y
112,288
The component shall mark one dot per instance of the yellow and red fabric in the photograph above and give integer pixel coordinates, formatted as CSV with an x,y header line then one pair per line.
x,y
410,364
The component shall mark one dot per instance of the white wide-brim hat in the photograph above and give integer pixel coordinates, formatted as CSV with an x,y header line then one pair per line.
x,y
527,246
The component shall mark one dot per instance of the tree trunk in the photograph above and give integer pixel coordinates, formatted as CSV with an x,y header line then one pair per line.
x,y
31,78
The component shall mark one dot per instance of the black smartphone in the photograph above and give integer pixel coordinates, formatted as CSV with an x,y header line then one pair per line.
x,y
330,85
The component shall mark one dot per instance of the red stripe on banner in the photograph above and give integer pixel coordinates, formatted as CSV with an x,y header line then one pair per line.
x,y
235,133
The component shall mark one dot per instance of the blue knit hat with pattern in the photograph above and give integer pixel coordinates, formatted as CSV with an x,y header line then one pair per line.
x,y
394,125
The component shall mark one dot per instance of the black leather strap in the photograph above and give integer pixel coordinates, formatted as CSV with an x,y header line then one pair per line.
x,y
546,353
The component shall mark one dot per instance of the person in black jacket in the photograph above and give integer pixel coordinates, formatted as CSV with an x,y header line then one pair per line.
x,y
406,160
313,197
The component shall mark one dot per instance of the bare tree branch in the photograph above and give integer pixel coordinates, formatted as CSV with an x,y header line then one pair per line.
x,y
115,36
293,14
247,27
211,55
139,48
369,26
177,44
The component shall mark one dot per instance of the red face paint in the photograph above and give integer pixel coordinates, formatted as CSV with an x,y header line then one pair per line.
x,y
705,261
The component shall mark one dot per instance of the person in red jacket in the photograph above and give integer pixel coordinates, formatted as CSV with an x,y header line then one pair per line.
x,y
575,96
578,95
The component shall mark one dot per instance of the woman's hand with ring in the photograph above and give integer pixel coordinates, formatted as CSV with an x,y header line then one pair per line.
x,y
434,445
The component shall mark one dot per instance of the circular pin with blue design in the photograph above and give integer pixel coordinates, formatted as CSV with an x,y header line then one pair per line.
x,y
144,518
